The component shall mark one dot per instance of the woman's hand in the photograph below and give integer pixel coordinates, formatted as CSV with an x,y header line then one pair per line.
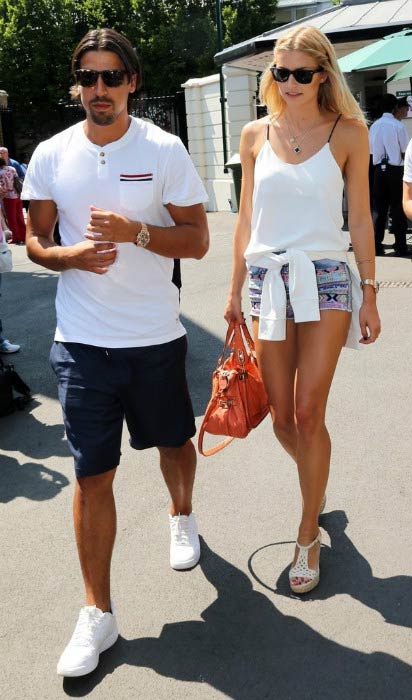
x,y
369,321
233,310
109,226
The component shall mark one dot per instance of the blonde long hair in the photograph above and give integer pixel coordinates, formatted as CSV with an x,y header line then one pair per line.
x,y
334,94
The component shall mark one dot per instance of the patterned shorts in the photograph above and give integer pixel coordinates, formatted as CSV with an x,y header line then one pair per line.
x,y
333,280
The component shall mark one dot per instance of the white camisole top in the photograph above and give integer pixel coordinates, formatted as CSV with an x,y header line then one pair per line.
x,y
297,218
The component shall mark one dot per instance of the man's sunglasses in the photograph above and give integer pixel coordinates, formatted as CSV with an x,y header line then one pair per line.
x,y
111,78
301,75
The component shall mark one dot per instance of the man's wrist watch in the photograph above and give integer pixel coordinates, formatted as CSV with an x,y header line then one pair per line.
x,y
372,283
143,237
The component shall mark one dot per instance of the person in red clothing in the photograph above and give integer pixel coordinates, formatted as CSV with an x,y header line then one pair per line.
x,y
11,199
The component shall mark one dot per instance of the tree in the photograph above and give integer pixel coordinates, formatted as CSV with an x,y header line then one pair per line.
x,y
244,19
176,40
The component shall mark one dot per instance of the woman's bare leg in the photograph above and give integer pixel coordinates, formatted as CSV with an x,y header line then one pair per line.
x,y
277,366
318,348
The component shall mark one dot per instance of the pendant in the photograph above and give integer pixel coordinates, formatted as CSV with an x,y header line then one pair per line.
x,y
297,149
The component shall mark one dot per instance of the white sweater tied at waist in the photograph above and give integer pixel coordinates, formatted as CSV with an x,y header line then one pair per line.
x,y
303,291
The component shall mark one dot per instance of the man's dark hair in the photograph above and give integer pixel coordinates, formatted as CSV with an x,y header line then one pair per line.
x,y
402,102
388,103
109,40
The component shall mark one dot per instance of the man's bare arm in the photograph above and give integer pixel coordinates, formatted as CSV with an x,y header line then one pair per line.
x,y
189,238
407,199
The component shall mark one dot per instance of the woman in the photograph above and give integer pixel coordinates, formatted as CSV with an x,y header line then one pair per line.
x,y
12,203
6,347
306,302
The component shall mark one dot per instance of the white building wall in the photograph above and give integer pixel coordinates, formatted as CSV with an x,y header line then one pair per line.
x,y
204,127
204,123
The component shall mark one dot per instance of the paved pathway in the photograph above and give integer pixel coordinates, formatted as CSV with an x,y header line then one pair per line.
x,y
230,628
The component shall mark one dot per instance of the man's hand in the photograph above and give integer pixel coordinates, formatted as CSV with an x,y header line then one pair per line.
x,y
90,256
109,226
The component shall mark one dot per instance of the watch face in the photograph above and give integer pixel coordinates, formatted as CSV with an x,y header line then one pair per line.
x,y
143,238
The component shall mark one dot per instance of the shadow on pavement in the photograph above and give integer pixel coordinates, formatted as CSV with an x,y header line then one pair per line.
x,y
30,480
344,570
22,432
204,349
248,650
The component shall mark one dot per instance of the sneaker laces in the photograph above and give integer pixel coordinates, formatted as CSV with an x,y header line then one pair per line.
x,y
83,634
181,531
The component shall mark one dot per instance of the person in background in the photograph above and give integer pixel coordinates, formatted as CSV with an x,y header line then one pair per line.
x,y
11,200
306,301
3,222
135,204
6,347
401,109
388,140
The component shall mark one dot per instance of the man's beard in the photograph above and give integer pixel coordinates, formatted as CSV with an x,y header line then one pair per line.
x,y
102,119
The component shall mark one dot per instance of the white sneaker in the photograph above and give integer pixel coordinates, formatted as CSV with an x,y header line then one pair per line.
x,y
95,632
184,541
6,347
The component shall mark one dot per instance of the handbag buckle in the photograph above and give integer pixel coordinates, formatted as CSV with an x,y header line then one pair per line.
x,y
225,403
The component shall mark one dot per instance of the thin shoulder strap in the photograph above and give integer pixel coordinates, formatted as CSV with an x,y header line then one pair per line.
x,y
334,127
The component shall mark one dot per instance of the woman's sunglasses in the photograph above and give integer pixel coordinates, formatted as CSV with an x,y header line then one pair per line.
x,y
111,78
302,75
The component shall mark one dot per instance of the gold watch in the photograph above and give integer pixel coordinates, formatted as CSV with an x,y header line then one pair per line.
x,y
372,283
143,237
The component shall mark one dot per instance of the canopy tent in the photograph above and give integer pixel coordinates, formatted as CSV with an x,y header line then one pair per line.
x,y
393,48
404,72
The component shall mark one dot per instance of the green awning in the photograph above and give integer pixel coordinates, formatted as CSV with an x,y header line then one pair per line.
x,y
394,48
404,72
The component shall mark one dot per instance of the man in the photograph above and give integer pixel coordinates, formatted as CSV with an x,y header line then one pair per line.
x,y
407,182
12,203
4,153
388,140
129,201
401,109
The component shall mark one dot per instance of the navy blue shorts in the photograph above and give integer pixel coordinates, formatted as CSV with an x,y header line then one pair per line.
x,y
100,387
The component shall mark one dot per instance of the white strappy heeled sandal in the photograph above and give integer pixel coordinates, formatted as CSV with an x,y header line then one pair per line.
x,y
301,568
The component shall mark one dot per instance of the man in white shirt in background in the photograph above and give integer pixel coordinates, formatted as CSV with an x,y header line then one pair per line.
x,y
129,201
388,141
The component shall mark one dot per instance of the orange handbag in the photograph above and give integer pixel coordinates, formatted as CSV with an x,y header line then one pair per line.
x,y
239,402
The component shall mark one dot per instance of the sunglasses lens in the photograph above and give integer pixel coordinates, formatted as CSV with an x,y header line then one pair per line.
x,y
281,74
303,76
87,78
113,78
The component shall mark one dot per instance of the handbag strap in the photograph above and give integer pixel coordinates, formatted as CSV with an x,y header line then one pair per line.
x,y
212,450
236,335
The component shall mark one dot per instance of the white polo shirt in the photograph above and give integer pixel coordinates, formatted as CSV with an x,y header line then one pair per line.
x,y
388,136
135,303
